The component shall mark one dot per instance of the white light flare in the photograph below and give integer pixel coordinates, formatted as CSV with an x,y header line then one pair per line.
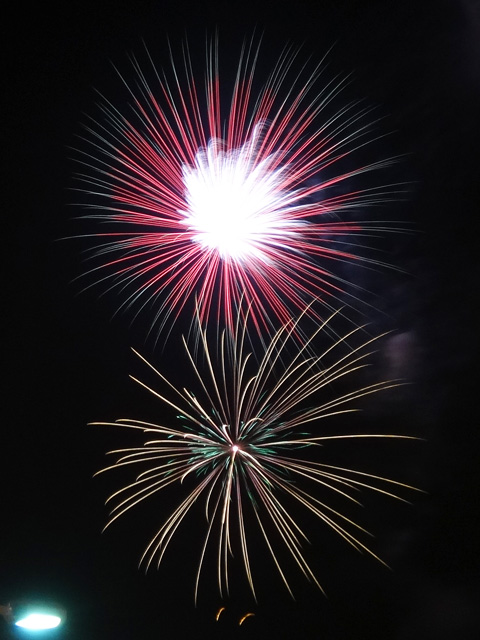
x,y
237,204
39,621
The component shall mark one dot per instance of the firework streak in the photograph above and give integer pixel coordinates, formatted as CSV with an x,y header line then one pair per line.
x,y
243,448
218,192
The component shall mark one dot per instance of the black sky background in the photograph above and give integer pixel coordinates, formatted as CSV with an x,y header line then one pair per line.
x,y
67,361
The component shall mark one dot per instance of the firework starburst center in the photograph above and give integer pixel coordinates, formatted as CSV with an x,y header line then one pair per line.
x,y
237,204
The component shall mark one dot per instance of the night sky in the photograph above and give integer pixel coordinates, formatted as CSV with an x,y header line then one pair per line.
x,y
68,358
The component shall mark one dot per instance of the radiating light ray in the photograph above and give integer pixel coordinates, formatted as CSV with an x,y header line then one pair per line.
x,y
213,190
245,617
242,450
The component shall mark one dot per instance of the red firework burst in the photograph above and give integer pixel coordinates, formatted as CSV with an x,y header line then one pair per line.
x,y
227,194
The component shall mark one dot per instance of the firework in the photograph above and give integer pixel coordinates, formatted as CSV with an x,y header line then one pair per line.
x,y
246,447
217,191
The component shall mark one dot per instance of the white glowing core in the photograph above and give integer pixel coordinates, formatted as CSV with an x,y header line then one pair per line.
x,y
37,621
235,448
235,203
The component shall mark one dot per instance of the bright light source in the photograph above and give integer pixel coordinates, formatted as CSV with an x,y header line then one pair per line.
x,y
236,204
38,621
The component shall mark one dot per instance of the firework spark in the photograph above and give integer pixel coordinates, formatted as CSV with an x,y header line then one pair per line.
x,y
242,449
218,192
